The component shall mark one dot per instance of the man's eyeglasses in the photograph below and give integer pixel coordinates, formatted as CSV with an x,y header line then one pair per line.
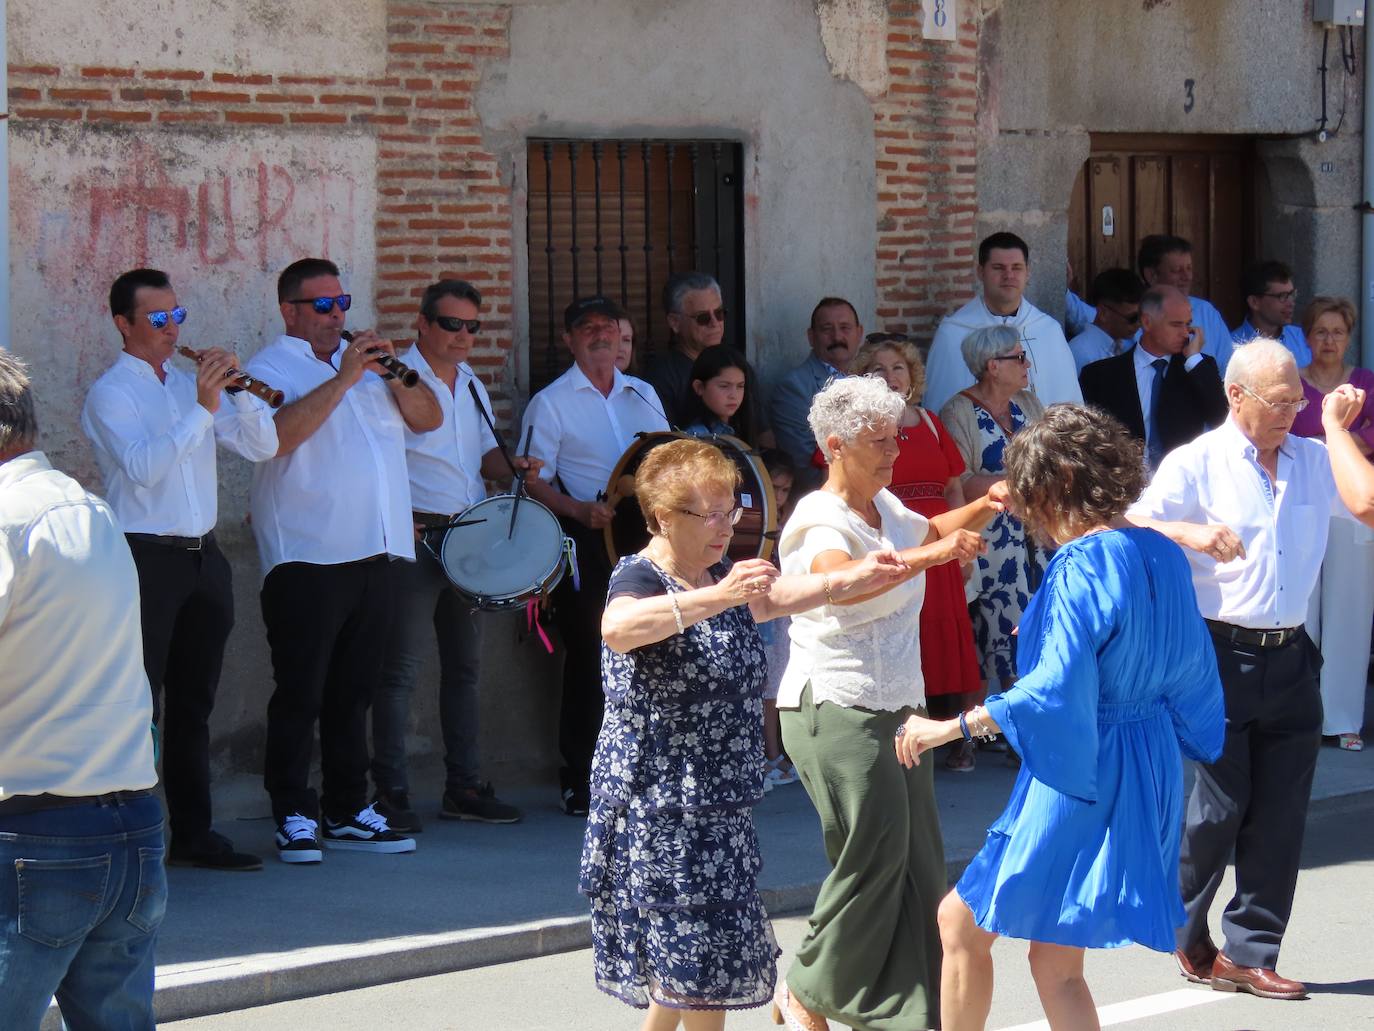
x,y
1284,407
716,518
159,318
1286,296
1021,359
704,318
1131,318
450,324
324,305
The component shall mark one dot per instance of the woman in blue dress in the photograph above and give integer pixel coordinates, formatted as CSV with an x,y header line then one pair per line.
x,y
670,858
1117,676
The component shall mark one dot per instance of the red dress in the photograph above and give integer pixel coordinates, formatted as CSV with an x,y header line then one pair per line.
x,y
924,466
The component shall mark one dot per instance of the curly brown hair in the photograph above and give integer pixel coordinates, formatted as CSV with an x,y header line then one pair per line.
x,y
1074,468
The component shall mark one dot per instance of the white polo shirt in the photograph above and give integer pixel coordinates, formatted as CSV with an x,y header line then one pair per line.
x,y
445,465
344,494
156,449
75,708
1217,479
580,435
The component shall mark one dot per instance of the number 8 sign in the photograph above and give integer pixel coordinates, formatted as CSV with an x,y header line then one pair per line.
x,y
941,19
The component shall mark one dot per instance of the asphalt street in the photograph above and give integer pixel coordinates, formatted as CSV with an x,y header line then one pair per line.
x,y
1329,945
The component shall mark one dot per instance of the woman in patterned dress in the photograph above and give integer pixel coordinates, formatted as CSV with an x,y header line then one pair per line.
x,y
670,857
928,479
982,419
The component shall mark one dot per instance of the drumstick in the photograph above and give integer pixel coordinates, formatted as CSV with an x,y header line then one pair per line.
x,y
482,410
520,481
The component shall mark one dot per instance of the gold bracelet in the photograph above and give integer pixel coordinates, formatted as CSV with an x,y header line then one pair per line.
x,y
677,612
825,582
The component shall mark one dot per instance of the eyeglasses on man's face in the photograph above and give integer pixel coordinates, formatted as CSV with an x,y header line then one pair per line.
x,y
1282,407
1285,296
716,518
159,319
1129,317
705,318
451,324
324,305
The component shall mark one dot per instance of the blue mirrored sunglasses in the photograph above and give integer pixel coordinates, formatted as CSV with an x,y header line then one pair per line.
x,y
323,305
159,318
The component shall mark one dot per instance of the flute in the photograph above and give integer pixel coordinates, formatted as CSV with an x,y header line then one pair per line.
x,y
242,381
403,372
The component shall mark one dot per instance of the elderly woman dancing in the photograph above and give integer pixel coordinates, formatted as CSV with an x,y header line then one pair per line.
x,y
871,956
1117,672
670,856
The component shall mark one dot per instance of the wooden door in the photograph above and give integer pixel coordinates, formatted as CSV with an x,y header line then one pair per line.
x,y
1197,187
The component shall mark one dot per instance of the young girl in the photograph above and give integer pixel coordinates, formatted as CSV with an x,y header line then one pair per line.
x,y
720,379
777,768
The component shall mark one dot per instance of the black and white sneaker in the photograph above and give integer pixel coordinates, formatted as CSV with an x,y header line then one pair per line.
x,y
366,832
298,840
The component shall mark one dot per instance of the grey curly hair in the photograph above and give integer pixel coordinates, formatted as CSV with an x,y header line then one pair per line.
x,y
847,407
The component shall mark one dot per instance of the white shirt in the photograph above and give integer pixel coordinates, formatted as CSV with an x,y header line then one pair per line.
x,y
156,453
1093,344
1053,375
868,654
344,494
445,465
580,435
1145,380
1217,479
75,708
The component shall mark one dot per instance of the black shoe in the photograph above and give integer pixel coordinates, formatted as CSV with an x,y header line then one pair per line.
x,y
211,851
575,802
394,807
366,831
479,803
298,840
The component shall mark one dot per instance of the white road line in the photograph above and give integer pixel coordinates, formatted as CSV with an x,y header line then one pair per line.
x,y
1138,1009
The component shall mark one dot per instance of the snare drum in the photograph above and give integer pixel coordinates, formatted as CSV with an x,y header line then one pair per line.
x,y
756,532
496,567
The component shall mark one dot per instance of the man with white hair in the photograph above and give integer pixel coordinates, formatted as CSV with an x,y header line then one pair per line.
x,y
1251,502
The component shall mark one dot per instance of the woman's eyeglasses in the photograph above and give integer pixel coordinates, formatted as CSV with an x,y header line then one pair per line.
x,y
716,518
1021,359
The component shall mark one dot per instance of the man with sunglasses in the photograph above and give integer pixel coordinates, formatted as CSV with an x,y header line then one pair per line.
x,y
1116,294
154,427
331,513
1271,299
446,468
582,423
1164,389
1252,504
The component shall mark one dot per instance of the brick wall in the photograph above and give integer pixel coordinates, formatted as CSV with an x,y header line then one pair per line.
x,y
442,209
925,133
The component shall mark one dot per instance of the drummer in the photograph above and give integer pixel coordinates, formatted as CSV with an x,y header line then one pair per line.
x,y
582,423
447,467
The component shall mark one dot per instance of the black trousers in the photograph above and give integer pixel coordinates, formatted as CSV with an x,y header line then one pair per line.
x,y
186,600
578,616
325,628
1253,800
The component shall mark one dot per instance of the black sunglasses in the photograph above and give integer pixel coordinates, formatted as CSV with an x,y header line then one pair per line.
x,y
323,305
1131,319
704,318
159,318
455,325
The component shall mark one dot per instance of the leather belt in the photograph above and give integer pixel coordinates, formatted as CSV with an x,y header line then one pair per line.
x,y
182,543
1259,638
431,520
18,805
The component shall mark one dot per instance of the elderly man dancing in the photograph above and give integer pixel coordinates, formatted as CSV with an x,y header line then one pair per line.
x,y
1252,502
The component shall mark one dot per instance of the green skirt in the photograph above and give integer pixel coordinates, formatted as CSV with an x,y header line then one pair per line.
x,y
871,955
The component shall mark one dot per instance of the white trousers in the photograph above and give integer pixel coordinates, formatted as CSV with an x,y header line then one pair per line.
x,y
1339,617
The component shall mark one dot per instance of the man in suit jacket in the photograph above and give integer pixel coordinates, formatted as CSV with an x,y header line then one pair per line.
x,y
1165,390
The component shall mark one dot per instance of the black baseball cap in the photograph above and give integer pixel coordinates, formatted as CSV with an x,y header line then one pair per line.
x,y
596,304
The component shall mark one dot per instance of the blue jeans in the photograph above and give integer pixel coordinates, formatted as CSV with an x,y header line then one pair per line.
x,y
427,608
82,892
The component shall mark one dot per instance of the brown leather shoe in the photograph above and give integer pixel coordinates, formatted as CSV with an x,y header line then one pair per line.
x,y
1227,977
1196,963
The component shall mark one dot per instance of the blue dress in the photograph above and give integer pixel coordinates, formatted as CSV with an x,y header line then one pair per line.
x,y
670,860
1117,672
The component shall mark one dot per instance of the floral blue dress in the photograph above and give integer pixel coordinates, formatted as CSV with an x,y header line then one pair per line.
x,y
1009,571
670,860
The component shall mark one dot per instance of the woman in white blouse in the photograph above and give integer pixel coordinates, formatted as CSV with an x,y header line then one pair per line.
x,y
871,957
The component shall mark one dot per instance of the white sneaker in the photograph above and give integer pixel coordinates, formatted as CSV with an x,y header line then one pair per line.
x,y
368,831
298,840
779,773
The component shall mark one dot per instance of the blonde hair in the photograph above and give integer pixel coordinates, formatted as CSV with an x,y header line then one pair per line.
x,y
670,474
1320,306
867,356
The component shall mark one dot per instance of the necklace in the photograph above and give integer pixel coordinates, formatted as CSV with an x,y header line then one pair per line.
x,y
665,563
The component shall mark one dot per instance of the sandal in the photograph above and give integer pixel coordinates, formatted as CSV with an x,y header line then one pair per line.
x,y
1350,743
782,1013
961,758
